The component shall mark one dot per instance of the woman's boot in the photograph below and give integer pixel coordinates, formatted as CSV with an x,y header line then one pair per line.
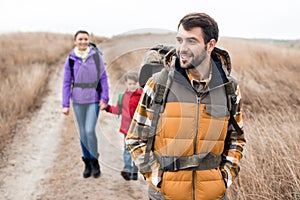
x,y
88,169
95,168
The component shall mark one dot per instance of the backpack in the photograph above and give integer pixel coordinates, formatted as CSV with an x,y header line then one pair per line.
x,y
154,61
158,59
96,58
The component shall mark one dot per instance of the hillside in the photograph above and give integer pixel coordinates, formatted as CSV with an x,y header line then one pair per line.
x,y
269,76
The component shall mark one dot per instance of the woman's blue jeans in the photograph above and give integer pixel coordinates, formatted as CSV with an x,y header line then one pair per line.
x,y
86,117
129,165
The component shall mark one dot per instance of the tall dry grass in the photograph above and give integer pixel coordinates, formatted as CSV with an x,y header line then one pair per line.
x,y
19,91
27,62
269,76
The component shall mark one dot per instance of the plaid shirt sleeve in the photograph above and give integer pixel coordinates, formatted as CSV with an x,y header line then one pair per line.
x,y
234,146
138,133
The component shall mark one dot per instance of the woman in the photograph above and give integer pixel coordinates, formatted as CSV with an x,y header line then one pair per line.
x,y
85,82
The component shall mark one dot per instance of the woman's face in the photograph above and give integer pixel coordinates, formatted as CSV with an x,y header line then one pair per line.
x,y
82,41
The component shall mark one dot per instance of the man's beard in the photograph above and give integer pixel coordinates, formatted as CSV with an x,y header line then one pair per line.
x,y
196,61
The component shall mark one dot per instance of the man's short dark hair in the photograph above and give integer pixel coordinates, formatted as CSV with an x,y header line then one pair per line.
x,y
208,25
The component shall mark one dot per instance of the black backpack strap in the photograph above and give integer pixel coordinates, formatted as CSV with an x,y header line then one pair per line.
x,y
230,88
235,125
97,62
71,64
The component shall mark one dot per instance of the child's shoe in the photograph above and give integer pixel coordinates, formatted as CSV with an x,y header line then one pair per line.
x,y
134,176
126,175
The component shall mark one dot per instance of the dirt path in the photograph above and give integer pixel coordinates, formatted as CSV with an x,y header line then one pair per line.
x,y
33,149
44,159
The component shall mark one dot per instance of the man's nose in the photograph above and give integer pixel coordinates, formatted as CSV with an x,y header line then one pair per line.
x,y
183,46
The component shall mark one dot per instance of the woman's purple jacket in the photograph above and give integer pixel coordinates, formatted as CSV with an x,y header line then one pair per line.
x,y
84,72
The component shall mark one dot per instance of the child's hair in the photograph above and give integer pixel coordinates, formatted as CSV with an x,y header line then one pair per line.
x,y
132,76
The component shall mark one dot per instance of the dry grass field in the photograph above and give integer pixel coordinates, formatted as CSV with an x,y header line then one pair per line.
x,y
268,73
270,82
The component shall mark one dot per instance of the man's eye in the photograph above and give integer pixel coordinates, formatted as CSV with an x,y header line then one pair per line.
x,y
192,41
179,40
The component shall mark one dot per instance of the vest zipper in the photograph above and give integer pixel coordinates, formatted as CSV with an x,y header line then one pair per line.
x,y
195,144
197,123
193,185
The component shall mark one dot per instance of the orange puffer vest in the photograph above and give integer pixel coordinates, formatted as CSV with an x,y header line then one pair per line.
x,y
192,125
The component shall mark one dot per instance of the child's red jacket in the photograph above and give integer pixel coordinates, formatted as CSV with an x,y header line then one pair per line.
x,y
129,103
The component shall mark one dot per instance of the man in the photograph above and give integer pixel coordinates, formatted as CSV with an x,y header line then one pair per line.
x,y
197,146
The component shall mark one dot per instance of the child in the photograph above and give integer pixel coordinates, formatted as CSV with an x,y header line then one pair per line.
x,y
126,105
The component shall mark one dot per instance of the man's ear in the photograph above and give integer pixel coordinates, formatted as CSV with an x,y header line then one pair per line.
x,y
211,45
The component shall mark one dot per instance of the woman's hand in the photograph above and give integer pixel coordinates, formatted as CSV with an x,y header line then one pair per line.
x,y
66,111
102,105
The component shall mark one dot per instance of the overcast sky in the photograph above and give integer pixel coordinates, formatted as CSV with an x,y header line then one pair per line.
x,y
274,19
